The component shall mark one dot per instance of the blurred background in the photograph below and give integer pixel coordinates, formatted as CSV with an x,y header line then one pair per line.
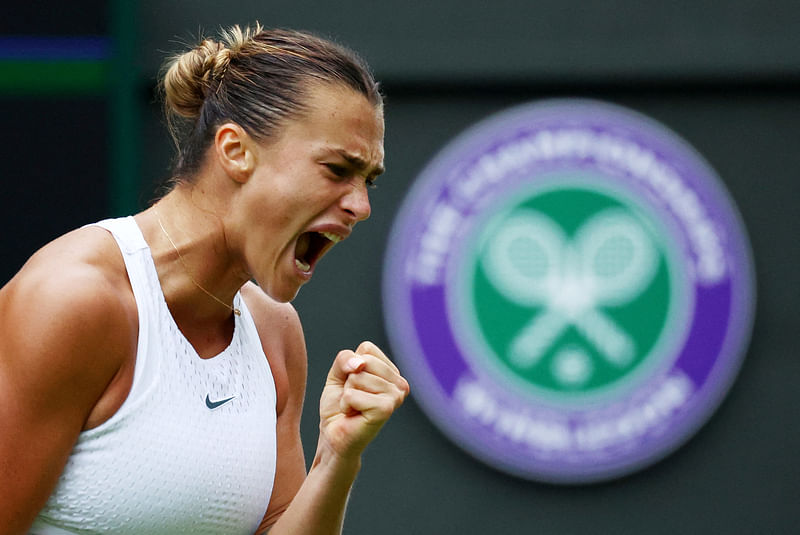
x,y
81,138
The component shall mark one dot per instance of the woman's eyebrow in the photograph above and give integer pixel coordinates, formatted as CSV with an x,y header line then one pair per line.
x,y
360,164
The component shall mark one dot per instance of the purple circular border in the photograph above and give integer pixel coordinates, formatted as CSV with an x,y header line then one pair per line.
x,y
725,309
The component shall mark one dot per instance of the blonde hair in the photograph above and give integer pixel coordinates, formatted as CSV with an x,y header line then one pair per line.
x,y
254,77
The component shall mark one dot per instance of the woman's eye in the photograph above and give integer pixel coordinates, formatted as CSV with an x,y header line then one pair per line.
x,y
344,172
337,170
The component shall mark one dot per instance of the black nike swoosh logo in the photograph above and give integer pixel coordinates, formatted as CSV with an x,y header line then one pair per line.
x,y
216,404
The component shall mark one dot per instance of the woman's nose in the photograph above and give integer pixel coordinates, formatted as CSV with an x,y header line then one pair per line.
x,y
356,202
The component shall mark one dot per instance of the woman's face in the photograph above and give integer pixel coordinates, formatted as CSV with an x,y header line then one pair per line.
x,y
310,187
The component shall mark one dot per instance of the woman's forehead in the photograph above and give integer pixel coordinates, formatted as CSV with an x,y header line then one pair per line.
x,y
343,120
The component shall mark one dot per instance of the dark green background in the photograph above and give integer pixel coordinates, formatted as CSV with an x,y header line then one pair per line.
x,y
725,75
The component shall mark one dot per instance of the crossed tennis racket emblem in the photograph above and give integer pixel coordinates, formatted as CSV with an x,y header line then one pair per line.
x,y
608,262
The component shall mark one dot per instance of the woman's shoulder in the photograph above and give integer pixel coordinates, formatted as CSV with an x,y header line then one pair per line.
x,y
74,294
68,325
276,320
82,267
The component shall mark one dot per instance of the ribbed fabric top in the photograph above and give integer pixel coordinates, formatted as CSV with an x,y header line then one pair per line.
x,y
193,447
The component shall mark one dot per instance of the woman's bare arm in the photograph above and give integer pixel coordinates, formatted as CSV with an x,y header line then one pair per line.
x,y
64,335
362,390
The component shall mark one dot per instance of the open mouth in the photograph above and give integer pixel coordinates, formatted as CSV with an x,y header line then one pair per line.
x,y
310,248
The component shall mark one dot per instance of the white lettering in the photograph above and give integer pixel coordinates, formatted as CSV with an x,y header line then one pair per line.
x,y
590,435
435,242
637,420
607,150
509,423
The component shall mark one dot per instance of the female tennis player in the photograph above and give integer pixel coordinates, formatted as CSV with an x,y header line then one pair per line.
x,y
146,384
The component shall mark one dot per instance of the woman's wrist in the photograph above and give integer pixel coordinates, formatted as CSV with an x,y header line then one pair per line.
x,y
331,461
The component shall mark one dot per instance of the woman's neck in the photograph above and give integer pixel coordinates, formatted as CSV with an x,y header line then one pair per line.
x,y
195,263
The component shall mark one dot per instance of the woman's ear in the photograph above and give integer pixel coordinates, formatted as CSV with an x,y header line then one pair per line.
x,y
235,151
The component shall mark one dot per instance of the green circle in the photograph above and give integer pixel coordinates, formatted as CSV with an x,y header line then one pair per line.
x,y
572,365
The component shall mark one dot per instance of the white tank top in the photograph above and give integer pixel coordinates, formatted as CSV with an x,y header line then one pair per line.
x,y
192,449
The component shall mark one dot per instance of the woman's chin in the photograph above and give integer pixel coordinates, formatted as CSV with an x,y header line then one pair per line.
x,y
282,292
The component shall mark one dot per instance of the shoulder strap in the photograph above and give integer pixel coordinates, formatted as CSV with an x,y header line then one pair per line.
x,y
126,232
146,290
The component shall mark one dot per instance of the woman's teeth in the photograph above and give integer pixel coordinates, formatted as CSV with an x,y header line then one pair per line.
x,y
332,237
311,245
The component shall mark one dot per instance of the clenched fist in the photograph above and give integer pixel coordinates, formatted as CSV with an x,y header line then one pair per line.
x,y
362,391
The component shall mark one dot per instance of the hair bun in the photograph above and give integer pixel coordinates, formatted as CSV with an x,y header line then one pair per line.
x,y
191,76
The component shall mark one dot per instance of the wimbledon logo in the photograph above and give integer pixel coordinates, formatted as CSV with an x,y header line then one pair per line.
x,y
570,290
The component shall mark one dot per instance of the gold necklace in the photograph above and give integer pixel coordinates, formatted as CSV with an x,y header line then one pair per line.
x,y
189,273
